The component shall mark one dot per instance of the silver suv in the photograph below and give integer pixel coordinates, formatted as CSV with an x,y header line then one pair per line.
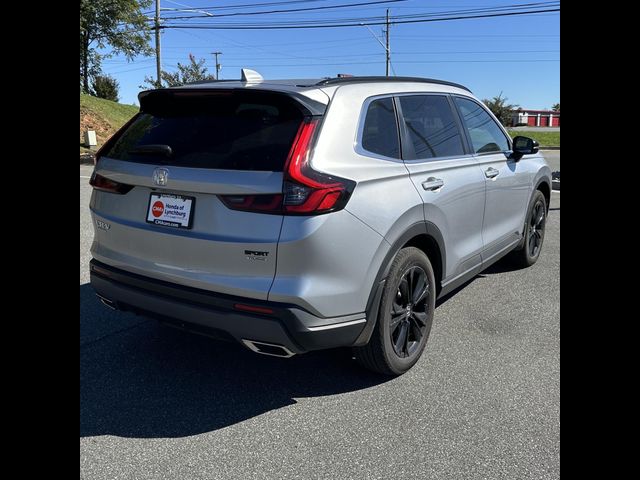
x,y
298,215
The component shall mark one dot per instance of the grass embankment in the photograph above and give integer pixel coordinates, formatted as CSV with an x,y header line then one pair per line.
x,y
103,116
545,139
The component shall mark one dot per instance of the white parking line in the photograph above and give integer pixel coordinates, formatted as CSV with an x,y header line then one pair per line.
x,y
556,191
84,176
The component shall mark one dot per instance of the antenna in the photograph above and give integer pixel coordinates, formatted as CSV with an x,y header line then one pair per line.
x,y
250,76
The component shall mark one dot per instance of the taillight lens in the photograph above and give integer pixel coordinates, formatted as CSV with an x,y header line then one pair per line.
x,y
105,184
254,203
304,191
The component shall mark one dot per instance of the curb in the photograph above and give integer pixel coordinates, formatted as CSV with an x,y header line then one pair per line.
x,y
549,148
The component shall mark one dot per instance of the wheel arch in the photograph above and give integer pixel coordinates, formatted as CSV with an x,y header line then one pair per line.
x,y
425,236
545,188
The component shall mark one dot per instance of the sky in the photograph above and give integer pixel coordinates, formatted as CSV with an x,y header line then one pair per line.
x,y
516,55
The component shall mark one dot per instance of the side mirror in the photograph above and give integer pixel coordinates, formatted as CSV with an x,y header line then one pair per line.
x,y
524,146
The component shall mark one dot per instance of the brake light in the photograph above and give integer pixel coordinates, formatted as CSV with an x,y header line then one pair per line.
x,y
105,184
304,191
254,203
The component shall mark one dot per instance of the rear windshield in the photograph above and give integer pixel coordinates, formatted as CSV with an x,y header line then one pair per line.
x,y
224,130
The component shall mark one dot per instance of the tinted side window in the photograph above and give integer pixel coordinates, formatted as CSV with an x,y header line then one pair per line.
x,y
486,135
380,134
431,125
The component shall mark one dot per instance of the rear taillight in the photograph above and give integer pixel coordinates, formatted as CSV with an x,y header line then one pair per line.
x,y
254,203
304,191
105,184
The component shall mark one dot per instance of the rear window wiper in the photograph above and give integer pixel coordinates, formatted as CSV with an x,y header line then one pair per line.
x,y
152,150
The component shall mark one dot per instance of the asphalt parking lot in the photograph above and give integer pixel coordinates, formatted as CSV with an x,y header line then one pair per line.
x,y
482,402
553,159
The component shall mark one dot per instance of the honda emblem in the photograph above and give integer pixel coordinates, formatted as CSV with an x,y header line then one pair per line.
x,y
161,176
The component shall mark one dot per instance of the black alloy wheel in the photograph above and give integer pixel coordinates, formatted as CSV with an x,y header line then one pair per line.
x,y
409,312
536,228
404,316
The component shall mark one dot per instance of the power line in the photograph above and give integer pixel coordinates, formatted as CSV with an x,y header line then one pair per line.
x,y
339,25
269,65
358,55
366,39
251,5
493,9
251,58
292,10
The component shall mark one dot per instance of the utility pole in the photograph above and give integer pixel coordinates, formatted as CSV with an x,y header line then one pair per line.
x,y
157,29
217,64
386,47
388,51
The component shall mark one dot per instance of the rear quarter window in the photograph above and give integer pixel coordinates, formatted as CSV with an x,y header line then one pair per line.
x,y
380,130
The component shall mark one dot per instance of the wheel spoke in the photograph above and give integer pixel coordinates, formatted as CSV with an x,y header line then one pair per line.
x,y
395,321
416,329
404,290
420,318
532,244
400,342
419,289
396,309
405,347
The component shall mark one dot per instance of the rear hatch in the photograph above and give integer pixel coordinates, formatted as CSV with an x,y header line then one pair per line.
x,y
185,192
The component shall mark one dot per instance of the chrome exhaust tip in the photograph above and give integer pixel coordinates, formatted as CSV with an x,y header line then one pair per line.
x,y
271,349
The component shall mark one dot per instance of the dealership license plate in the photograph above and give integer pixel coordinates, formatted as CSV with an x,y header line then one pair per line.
x,y
170,210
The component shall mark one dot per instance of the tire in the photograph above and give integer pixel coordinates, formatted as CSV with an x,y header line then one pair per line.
x,y
403,326
534,228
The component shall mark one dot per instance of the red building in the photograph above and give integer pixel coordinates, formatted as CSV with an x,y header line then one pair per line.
x,y
535,118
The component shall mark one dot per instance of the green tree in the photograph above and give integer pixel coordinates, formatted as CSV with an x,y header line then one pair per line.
x,y
119,24
500,108
556,107
105,86
191,72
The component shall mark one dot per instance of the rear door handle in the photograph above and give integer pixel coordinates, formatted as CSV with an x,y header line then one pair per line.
x,y
432,183
491,172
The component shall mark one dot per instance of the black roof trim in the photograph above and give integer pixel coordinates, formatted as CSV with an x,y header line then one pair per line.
x,y
344,80
310,106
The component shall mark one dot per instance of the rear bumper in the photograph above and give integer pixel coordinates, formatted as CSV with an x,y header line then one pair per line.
x,y
216,314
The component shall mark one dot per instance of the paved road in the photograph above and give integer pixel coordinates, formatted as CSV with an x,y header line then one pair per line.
x,y
553,159
482,403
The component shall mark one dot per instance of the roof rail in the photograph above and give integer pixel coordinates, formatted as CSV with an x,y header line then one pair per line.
x,y
343,80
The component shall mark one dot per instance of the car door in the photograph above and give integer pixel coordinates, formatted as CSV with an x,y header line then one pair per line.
x,y
446,175
508,183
